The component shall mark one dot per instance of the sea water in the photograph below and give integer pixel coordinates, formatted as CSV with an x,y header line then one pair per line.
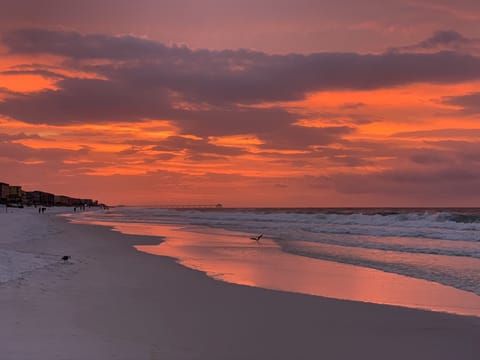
x,y
439,245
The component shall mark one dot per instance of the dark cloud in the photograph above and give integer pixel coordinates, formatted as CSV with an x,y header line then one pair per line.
x,y
415,187
79,46
438,133
131,151
464,152
446,175
443,37
232,120
444,40
20,152
85,100
350,106
299,137
447,168
188,148
240,76
44,73
292,162
428,156
93,100
348,154
470,103
18,136
195,147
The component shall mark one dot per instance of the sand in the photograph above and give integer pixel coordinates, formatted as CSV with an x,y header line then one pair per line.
x,y
114,302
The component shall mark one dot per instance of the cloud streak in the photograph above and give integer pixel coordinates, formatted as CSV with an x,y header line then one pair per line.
x,y
470,103
443,40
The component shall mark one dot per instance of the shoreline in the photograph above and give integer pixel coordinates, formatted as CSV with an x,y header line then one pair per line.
x,y
112,301
232,257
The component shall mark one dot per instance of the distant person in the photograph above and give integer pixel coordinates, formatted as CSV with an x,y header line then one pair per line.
x,y
74,209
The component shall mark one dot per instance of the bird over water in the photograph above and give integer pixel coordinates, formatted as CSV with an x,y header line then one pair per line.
x,y
257,238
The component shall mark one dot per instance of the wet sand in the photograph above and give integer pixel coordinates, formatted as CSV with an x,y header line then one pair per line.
x,y
114,302
233,257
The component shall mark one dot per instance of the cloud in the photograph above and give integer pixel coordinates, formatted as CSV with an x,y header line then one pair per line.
x,y
300,137
195,147
80,101
44,73
19,136
428,156
447,133
78,46
232,120
19,152
352,106
239,76
85,100
470,103
415,187
417,175
464,152
209,93
443,40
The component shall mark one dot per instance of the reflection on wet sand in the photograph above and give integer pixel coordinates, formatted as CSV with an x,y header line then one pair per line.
x,y
234,257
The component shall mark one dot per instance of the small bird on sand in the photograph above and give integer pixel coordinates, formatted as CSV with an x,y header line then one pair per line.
x,y
257,238
66,257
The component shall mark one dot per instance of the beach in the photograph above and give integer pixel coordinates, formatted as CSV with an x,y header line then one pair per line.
x,y
112,301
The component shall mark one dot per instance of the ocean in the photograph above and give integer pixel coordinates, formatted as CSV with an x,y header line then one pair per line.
x,y
435,244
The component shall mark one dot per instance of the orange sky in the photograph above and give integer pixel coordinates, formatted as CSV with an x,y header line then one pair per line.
x,y
131,119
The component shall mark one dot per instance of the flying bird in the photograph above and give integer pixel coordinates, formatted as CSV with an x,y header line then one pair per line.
x,y
66,257
257,238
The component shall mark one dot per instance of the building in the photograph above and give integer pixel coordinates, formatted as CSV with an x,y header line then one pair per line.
x,y
62,200
4,192
39,198
90,202
15,195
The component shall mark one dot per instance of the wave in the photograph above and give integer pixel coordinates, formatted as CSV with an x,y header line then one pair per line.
x,y
445,233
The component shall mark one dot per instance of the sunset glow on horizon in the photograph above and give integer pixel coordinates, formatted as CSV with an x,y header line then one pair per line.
x,y
324,103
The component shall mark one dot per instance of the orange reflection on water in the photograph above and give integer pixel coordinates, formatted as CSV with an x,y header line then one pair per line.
x,y
234,257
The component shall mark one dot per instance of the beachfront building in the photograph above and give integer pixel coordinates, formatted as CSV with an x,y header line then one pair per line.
x,y
39,198
90,202
15,195
4,191
62,200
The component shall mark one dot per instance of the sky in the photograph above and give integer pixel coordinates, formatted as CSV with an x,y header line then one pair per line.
x,y
246,103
